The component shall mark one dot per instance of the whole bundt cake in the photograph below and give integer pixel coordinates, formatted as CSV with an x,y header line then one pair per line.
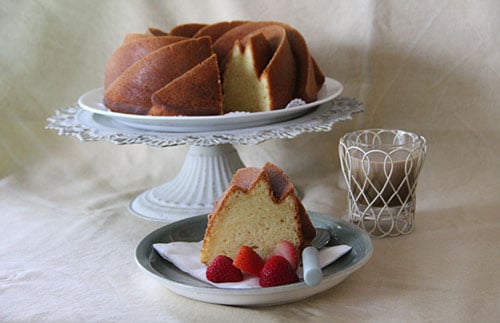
x,y
259,66
258,209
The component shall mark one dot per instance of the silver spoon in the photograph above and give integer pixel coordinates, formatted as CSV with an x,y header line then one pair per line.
x,y
310,261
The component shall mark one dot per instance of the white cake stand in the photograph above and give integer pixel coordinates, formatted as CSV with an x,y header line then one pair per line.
x,y
211,159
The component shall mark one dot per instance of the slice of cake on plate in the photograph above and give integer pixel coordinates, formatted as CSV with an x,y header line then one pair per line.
x,y
258,209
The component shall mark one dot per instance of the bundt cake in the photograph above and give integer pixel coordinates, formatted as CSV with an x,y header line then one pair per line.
x,y
258,209
261,66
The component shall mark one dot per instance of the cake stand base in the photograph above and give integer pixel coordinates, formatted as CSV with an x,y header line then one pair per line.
x,y
204,176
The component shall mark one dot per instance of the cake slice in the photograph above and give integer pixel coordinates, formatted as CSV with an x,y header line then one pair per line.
x,y
258,209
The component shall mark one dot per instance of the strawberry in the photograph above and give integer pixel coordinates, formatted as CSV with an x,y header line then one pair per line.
x,y
221,270
287,250
248,261
277,271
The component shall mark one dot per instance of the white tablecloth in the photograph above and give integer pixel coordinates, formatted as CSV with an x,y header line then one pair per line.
x,y
67,240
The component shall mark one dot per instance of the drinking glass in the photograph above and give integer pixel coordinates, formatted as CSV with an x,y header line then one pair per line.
x,y
381,169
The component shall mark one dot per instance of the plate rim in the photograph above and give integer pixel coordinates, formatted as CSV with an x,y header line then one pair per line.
x,y
249,292
338,88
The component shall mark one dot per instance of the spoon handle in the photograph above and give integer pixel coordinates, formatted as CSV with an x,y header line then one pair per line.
x,y
312,270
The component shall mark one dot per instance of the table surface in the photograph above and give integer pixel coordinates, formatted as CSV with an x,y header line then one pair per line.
x,y
67,239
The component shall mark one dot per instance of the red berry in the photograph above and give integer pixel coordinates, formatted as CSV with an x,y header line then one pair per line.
x,y
287,250
277,271
248,261
221,270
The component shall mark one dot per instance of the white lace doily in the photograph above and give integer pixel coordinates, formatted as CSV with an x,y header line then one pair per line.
x,y
86,126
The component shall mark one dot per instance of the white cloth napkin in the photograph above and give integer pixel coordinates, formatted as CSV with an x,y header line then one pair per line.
x,y
186,257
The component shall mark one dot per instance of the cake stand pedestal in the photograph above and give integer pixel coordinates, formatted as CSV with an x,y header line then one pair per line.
x,y
204,176
210,161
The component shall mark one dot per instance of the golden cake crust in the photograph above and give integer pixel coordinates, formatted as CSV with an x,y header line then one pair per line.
x,y
214,31
136,47
132,90
187,30
197,92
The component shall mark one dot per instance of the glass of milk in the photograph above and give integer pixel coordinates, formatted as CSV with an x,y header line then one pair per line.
x,y
381,169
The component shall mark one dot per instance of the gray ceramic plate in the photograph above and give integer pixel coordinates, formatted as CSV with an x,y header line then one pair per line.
x,y
193,229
